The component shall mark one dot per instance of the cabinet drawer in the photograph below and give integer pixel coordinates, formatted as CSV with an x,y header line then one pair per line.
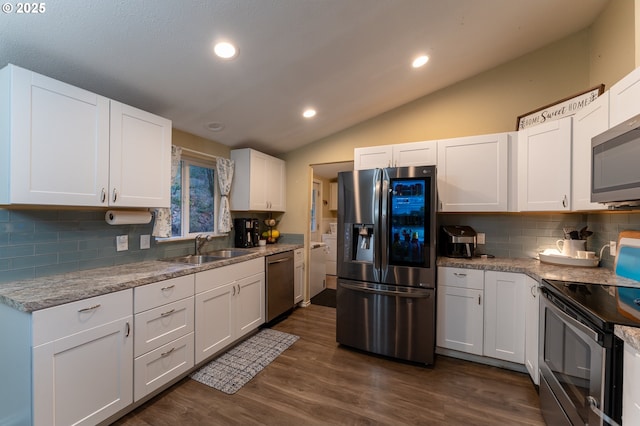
x,y
157,294
60,321
158,326
461,277
214,278
162,365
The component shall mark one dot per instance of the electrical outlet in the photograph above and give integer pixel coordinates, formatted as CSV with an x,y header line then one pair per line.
x,y
145,242
122,242
613,248
480,239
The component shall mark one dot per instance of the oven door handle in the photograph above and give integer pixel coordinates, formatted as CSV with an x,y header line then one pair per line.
x,y
593,404
572,322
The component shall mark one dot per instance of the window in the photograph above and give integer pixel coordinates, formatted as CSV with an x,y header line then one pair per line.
x,y
193,199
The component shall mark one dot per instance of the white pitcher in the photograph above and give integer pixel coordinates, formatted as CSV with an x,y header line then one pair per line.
x,y
571,247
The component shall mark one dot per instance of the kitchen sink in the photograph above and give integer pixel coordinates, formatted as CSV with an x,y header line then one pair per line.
x,y
194,259
227,253
212,256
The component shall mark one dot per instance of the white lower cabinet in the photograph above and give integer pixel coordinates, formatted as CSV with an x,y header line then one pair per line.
x,y
298,275
229,303
631,386
532,328
164,330
83,360
460,309
504,319
482,313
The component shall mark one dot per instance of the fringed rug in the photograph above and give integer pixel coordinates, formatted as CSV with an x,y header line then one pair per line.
x,y
231,370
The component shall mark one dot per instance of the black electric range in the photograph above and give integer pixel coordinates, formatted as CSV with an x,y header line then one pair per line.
x,y
604,305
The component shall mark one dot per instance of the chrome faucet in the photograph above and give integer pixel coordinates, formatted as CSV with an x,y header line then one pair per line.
x,y
200,241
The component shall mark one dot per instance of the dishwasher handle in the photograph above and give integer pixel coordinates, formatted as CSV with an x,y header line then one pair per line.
x,y
286,259
421,293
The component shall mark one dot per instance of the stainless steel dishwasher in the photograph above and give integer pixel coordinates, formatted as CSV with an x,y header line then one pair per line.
x,y
279,291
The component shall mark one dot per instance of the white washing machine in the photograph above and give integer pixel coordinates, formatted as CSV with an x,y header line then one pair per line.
x,y
331,241
317,268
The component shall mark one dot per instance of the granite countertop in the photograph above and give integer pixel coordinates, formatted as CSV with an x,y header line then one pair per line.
x,y
41,293
539,270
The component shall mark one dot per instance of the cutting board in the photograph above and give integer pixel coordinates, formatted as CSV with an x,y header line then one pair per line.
x,y
627,262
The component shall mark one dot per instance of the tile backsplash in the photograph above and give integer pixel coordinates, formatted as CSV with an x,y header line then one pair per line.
x,y
516,235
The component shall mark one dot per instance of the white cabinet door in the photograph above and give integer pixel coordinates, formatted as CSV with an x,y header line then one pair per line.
x,y
276,184
624,97
57,151
333,196
504,319
544,166
631,386
214,322
372,157
459,322
249,304
587,123
140,158
423,153
298,276
86,377
473,173
532,315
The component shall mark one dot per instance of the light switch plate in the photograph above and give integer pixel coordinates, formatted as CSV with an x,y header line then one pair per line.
x,y
122,242
145,242
480,239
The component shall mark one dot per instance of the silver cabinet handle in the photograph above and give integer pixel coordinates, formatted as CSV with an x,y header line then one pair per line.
x,y
533,291
103,195
479,300
115,195
564,201
126,334
90,308
164,354
238,288
234,291
459,274
166,314
169,287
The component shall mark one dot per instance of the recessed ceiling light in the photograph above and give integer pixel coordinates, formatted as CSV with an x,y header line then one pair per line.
x,y
420,61
215,126
309,113
225,50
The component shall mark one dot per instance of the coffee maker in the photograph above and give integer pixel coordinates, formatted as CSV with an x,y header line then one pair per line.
x,y
457,241
247,232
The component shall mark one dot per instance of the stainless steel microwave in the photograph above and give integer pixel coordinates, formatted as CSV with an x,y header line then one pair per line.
x,y
615,165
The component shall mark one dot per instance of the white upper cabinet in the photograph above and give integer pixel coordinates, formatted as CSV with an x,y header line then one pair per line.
x,y
61,145
422,153
544,166
624,95
54,141
587,123
258,182
473,173
140,158
372,157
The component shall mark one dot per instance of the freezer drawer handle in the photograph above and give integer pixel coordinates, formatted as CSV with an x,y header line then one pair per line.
x,y
387,292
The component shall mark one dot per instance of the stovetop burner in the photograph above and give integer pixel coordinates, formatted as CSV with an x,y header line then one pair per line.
x,y
606,305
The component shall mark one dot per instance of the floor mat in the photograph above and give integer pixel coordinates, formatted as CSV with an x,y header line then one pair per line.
x,y
233,369
326,297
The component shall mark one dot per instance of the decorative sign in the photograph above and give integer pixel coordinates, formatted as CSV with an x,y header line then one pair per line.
x,y
560,109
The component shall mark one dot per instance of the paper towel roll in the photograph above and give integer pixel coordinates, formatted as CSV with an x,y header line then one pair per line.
x,y
124,217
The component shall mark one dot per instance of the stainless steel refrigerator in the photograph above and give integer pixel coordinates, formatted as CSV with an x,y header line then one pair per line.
x,y
386,262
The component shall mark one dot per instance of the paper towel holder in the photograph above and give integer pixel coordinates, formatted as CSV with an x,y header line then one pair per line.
x,y
127,217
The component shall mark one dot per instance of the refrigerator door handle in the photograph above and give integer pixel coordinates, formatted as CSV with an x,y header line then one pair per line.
x,y
404,294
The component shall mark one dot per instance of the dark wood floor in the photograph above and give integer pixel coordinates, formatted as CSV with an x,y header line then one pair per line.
x,y
318,382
